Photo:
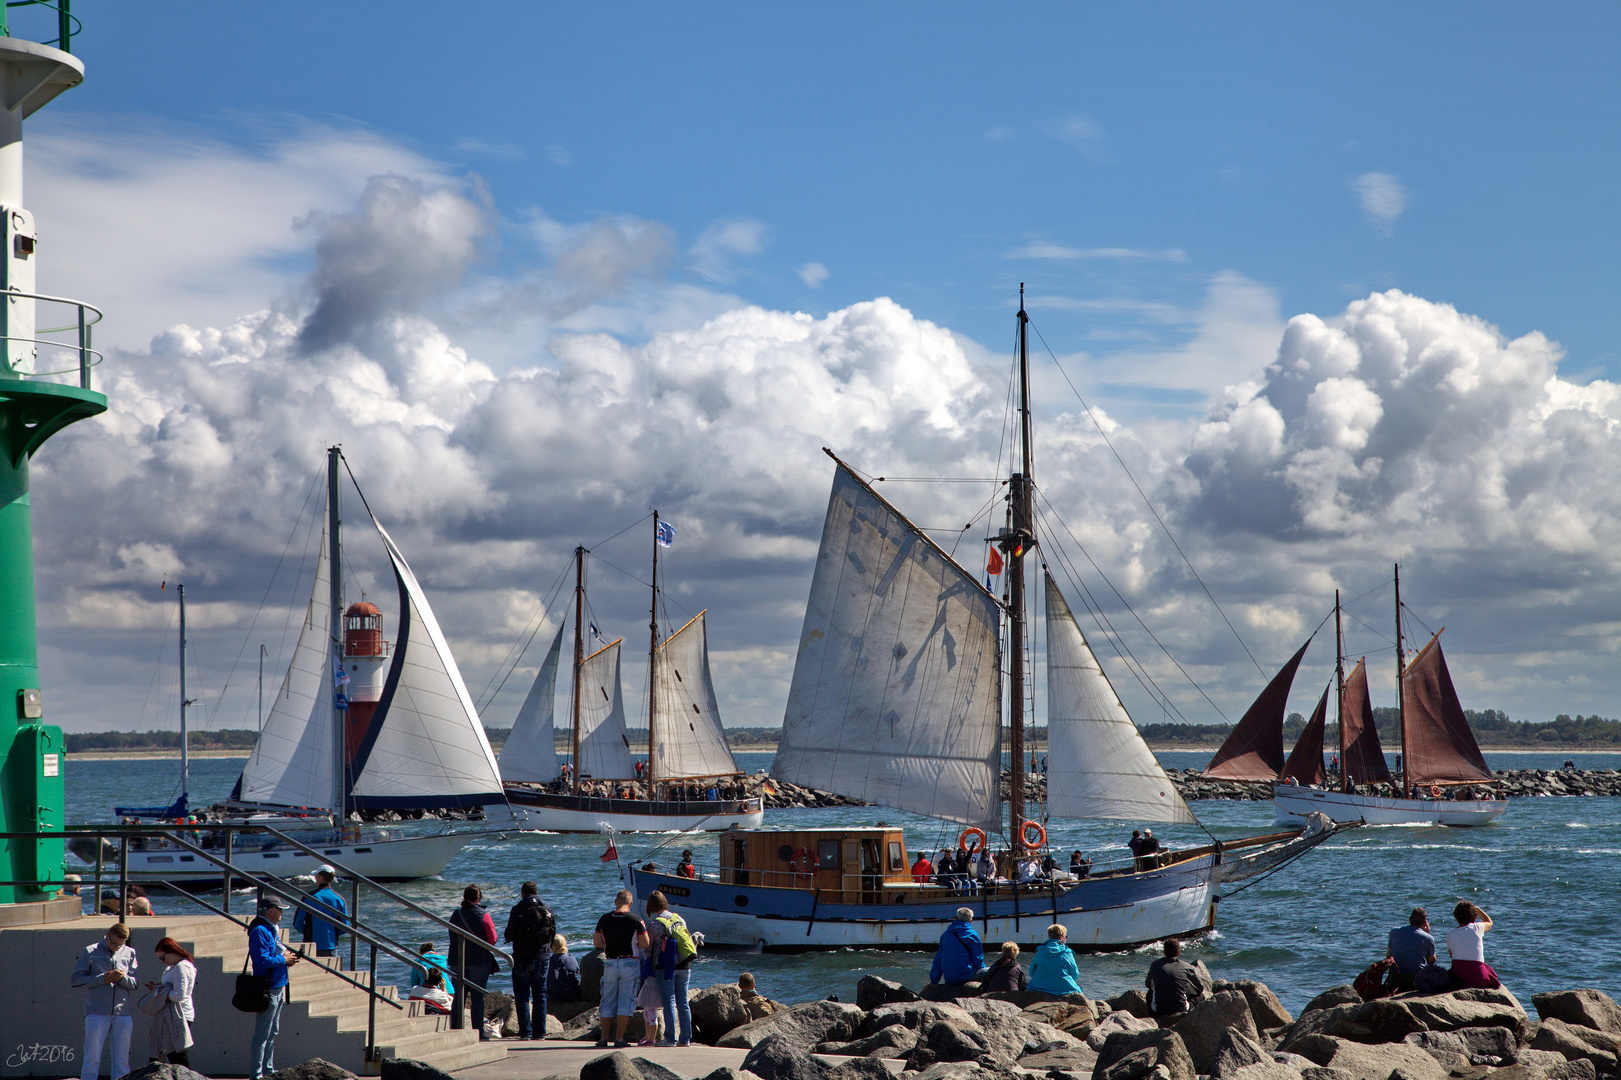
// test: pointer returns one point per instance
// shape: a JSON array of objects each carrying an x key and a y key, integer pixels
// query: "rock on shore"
[{"x": 1240, "y": 1032}]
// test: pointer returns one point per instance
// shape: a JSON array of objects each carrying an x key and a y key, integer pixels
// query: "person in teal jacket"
[{"x": 1054, "y": 970}]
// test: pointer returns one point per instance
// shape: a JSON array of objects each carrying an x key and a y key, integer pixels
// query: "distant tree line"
[{"x": 225, "y": 739}]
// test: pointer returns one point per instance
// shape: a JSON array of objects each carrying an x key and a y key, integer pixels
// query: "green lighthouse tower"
[{"x": 45, "y": 370}]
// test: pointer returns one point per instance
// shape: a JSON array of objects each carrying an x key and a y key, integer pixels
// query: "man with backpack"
[
  {"x": 673, "y": 949},
  {"x": 529, "y": 931}
]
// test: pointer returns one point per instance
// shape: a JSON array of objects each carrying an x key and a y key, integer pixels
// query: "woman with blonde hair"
[{"x": 1007, "y": 973}]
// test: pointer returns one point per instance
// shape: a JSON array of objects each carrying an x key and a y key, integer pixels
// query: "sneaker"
[
  {"x": 621, "y": 1045},
  {"x": 602, "y": 1044},
  {"x": 685, "y": 1043},
  {"x": 665, "y": 1042},
  {"x": 648, "y": 1042}
]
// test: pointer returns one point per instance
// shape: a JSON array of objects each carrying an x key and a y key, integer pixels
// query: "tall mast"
[
  {"x": 1015, "y": 539},
  {"x": 652, "y": 655},
  {"x": 1401, "y": 666},
  {"x": 340, "y": 763},
  {"x": 185, "y": 739},
  {"x": 579, "y": 653},
  {"x": 1339, "y": 681}
]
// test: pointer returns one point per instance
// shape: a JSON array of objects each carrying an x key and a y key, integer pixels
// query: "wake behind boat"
[{"x": 897, "y": 700}]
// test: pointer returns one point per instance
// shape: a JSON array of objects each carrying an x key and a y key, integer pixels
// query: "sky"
[{"x": 1333, "y": 283}]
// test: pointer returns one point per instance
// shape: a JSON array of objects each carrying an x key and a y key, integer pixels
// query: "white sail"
[
  {"x": 604, "y": 744},
  {"x": 1098, "y": 764},
  {"x": 691, "y": 740},
  {"x": 530, "y": 753},
  {"x": 291, "y": 765},
  {"x": 426, "y": 747},
  {"x": 896, "y": 693}
]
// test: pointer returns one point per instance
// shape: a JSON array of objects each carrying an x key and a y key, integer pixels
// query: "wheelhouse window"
[
  {"x": 827, "y": 854},
  {"x": 897, "y": 858}
]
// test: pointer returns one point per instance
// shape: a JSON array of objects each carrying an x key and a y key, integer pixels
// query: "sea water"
[{"x": 1547, "y": 873}]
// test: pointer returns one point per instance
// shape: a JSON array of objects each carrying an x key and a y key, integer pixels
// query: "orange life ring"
[
  {"x": 1435, "y": 791},
  {"x": 1041, "y": 835},
  {"x": 975, "y": 833}
]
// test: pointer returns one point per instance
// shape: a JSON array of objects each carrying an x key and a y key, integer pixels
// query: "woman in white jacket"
[{"x": 171, "y": 1024}]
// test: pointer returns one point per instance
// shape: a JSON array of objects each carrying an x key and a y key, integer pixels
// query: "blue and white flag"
[
  {"x": 342, "y": 676},
  {"x": 666, "y": 535},
  {"x": 595, "y": 632}
]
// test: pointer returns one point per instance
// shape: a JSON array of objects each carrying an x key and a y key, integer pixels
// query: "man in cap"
[
  {"x": 685, "y": 868},
  {"x": 270, "y": 959},
  {"x": 323, "y": 933},
  {"x": 107, "y": 971}
]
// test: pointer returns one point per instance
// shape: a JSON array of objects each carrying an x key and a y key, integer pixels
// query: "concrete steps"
[{"x": 326, "y": 1017}]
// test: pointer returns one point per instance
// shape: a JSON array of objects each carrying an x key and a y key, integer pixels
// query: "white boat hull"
[
  {"x": 394, "y": 858},
  {"x": 579, "y": 814},
  {"x": 1294, "y": 804}
]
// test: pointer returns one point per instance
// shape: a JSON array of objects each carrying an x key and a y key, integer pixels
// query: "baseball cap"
[
  {"x": 270, "y": 902},
  {"x": 326, "y": 868}
]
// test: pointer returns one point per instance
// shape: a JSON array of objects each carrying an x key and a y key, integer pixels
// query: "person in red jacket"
[
  {"x": 922, "y": 870},
  {"x": 480, "y": 963}
]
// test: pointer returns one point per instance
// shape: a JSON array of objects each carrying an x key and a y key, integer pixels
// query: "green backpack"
[{"x": 675, "y": 927}]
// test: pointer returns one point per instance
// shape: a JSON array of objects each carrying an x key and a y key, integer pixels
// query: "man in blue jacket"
[
  {"x": 269, "y": 958},
  {"x": 961, "y": 956},
  {"x": 323, "y": 933}
]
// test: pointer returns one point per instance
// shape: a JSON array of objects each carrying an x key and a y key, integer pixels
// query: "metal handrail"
[
  {"x": 68, "y": 25},
  {"x": 88, "y": 357}
]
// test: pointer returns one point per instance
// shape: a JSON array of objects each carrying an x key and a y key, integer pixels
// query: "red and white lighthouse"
[{"x": 365, "y": 658}]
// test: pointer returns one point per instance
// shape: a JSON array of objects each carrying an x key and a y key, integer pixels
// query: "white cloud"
[
  {"x": 813, "y": 274},
  {"x": 1382, "y": 199},
  {"x": 712, "y": 254},
  {"x": 1040, "y": 249}
]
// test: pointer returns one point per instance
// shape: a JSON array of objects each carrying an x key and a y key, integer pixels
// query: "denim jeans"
[
  {"x": 619, "y": 983},
  {"x": 99, "y": 1032},
  {"x": 673, "y": 990},
  {"x": 262, "y": 1058},
  {"x": 471, "y": 992},
  {"x": 530, "y": 981}
]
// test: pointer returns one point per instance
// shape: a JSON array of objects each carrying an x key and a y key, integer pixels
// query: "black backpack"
[{"x": 534, "y": 926}]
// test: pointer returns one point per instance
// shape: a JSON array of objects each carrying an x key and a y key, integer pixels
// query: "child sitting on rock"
[{"x": 758, "y": 1005}]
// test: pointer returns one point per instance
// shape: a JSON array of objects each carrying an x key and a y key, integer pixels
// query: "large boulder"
[
  {"x": 1265, "y": 1008},
  {"x": 1322, "y": 1072},
  {"x": 1264, "y": 1070},
  {"x": 717, "y": 1010},
  {"x": 1381, "y": 1021},
  {"x": 1130, "y": 1055},
  {"x": 652, "y": 1070},
  {"x": 944, "y": 1041},
  {"x": 614, "y": 1066},
  {"x": 411, "y": 1069},
  {"x": 872, "y": 992},
  {"x": 1465, "y": 1009},
  {"x": 894, "y": 1041},
  {"x": 916, "y": 1015},
  {"x": 564, "y": 1011},
  {"x": 1364, "y": 1061},
  {"x": 777, "y": 1058},
  {"x": 1077, "y": 1020},
  {"x": 1117, "y": 1022},
  {"x": 1026, "y": 998},
  {"x": 1204, "y": 1025},
  {"x": 162, "y": 1070},
  {"x": 1602, "y": 1049},
  {"x": 802, "y": 1025},
  {"x": 1080, "y": 1060},
  {"x": 1469, "y": 1043},
  {"x": 313, "y": 1069},
  {"x": 1334, "y": 995},
  {"x": 950, "y": 991},
  {"x": 1235, "y": 1051},
  {"x": 859, "y": 1069},
  {"x": 1012, "y": 1036},
  {"x": 1583, "y": 1008},
  {"x": 1134, "y": 1002}
]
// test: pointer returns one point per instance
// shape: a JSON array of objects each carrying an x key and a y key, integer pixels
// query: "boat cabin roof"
[{"x": 852, "y": 831}]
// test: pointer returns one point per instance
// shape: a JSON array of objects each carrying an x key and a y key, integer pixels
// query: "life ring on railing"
[
  {"x": 1435, "y": 791},
  {"x": 975, "y": 833},
  {"x": 804, "y": 876},
  {"x": 1041, "y": 835}
]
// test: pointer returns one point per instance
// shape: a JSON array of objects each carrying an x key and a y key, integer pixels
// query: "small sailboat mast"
[
  {"x": 340, "y": 757},
  {"x": 185, "y": 738},
  {"x": 579, "y": 655},
  {"x": 1014, "y": 540},
  {"x": 1401, "y": 664},
  {"x": 653, "y": 660}
]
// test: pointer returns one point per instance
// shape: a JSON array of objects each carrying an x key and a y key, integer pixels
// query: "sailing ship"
[
  {"x": 687, "y": 748},
  {"x": 1442, "y": 765},
  {"x": 422, "y": 747},
  {"x": 897, "y": 700}
]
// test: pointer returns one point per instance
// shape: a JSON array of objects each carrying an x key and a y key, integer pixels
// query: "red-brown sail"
[
  {"x": 1305, "y": 764},
  {"x": 1440, "y": 747},
  {"x": 1362, "y": 759},
  {"x": 1254, "y": 749}
]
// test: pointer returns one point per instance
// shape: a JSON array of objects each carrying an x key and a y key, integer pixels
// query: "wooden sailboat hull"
[
  {"x": 379, "y": 857},
  {"x": 546, "y": 812},
  {"x": 1103, "y": 914},
  {"x": 1294, "y": 804}
]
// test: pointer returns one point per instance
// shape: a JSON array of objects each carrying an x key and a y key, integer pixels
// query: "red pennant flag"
[
  {"x": 994, "y": 566},
  {"x": 612, "y": 854}
]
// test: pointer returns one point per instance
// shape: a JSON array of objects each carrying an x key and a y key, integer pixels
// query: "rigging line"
[
  {"x": 1270, "y": 872},
  {"x": 540, "y": 614},
  {"x": 1167, "y": 529},
  {"x": 1411, "y": 614},
  {"x": 157, "y": 663},
  {"x": 937, "y": 480},
  {"x": 1389, "y": 642},
  {"x": 1116, "y": 641},
  {"x": 1191, "y": 681},
  {"x": 247, "y": 636}
]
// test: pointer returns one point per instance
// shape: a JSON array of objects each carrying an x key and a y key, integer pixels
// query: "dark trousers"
[
  {"x": 529, "y": 982},
  {"x": 471, "y": 987}
]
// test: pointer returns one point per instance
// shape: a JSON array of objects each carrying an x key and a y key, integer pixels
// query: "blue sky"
[
  {"x": 911, "y": 149},
  {"x": 575, "y": 261}
]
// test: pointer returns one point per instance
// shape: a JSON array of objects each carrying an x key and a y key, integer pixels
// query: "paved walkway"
[{"x": 554, "y": 1057}]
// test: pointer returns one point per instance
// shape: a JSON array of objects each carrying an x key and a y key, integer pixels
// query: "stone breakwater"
[
  {"x": 1239, "y": 1032},
  {"x": 1515, "y": 783}
]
